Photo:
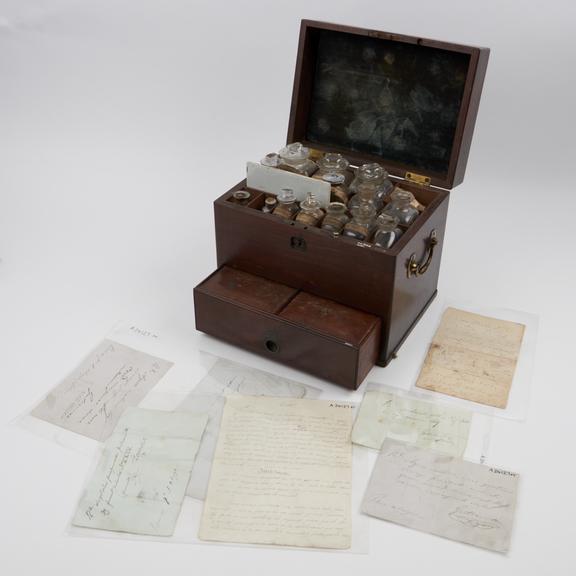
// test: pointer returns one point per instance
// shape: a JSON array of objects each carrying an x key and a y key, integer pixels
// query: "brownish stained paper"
[{"x": 472, "y": 357}]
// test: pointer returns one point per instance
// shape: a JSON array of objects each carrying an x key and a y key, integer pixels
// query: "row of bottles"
[
  {"x": 365, "y": 205},
  {"x": 363, "y": 223}
]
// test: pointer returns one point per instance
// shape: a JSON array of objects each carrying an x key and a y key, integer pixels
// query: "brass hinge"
[{"x": 417, "y": 178}]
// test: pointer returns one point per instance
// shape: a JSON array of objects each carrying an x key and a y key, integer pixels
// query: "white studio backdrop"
[{"x": 122, "y": 121}]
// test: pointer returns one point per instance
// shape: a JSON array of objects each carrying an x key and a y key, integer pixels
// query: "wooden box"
[{"x": 334, "y": 306}]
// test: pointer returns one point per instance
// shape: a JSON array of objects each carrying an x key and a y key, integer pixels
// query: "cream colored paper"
[
  {"x": 227, "y": 378},
  {"x": 141, "y": 478},
  {"x": 472, "y": 357},
  {"x": 272, "y": 180},
  {"x": 428, "y": 425},
  {"x": 282, "y": 474},
  {"x": 91, "y": 399},
  {"x": 442, "y": 495}
]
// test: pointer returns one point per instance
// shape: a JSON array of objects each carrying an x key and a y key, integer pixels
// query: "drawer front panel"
[{"x": 341, "y": 361}]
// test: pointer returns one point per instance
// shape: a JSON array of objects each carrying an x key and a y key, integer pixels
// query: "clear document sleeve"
[
  {"x": 386, "y": 412},
  {"x": 442, "y": 495},
  {"x": 185, "y": 370},
  {"x": 201, "y": 381},
  {"x": 188, "y": 523}
]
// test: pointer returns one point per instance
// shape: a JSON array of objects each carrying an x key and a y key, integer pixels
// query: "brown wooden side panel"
[
  {"x": 304, "y": 258},
  {"x": 412, "y": 295},
  {"x": 462, "y": 150},
  {"x": 279, "y": 340},
  {"x": 369, "y": 353}
]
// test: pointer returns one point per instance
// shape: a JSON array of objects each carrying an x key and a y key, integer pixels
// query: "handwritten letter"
[
  {"x": 227, "y": 378},
  {"x": 383, "y": 415},
  {"x": 281, "y": 474},
  {"x": 91, "y": 400},
  {"x": 442, "y": 495},
  {"x": 141, "y": 478},
  {"x": 473, "y": 357}
]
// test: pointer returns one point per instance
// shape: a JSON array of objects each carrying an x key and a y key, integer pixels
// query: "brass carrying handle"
[{"x": 413, "y": 268}]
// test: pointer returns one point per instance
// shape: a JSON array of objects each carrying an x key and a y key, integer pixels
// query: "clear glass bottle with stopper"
[
  {"x": 271, "y": 159},
  {"x": 401, "y": 206},
  {"x": 366, "y": 192},
  {"x": 270, "y": 202},
  {"x": 387, "y": 231},
  {"x": 332, "y": 168},
  {"x": 287, "y": 206},
  {"x": 336, "y": 217},
  {"x": 241, "y": 197},
  {"x": 296, "y": 158},
  {"x": 361, "y": 226},
  {"x": 310, "y": 211},
  {"x": 375, "y": 176}
]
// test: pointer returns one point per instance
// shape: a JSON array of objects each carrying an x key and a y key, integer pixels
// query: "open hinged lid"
[{"x": 406, "y": 102}]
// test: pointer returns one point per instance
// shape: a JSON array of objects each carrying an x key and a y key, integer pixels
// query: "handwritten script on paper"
[
  {"x": 473, "y": 357},
  {"x": 384, "y": 415},
  {"x": 91, "y": 399},
  {"x": 282, "y": 474},
  {"x": 141, "y": 478},
  {"x": 442, "y": 495},
  {"x": 224, "y": 379},
  {"x": 227, "y": 377}
]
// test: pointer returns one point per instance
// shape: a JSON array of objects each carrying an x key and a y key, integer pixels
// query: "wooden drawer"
[
  {"x": 304, "y": 331},
  {"x": 353, "y": 273}
]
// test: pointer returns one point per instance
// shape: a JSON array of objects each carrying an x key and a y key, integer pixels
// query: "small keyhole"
[
  {"x": 271, "y": 346},
  {"x": 298, "y": 243}
]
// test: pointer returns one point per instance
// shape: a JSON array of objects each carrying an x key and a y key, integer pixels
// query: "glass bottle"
[
  {"x": 361, "y": 226},
  {"x": 375, "y": 176},
  {"x": 287, "y": 207},
  {"x": 296, "y": 158},
  {"x": 336, "y": 217},
  {"x": 387, "y": 231},
  {"x": 269, "y": 204},
  {"x": 401, "y": 193},
  {"x": 241, "y": 197},
  {"x": 310, "y": 211},
  {"x": 365, "y": 192},
  {"x": 332, "y": 168},
  {"x": 400, "y": 207},
  {"x": 272, "y": 159}
]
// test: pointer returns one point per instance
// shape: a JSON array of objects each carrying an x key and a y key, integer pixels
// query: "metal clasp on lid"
[{"x": 417, "y": 178}]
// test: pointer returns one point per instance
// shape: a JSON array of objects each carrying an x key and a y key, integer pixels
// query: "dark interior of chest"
[{"x": 386, "y": 98}]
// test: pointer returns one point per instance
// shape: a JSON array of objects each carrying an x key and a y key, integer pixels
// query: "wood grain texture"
[
  {"x": 341, "y": 269},
  {"x": 351, "y": 273},
  {"x": 310, "y": 344},
  {"x": 304, "y": 88}
]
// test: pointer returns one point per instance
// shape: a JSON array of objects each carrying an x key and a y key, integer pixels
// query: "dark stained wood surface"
[
  {"x": 340, "y": 269},
  {"x": 304, "y": 77},
  {"x": 329, "y": 317},
  {"x": 275, "y": 318},
  {"x": 342, "y": 353},
  {"x": 256, "y": 292}
]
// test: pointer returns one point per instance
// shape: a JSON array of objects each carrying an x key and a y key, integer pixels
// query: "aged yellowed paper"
[
  {"x": 443, "y": 495},
  {"x": 227, "y": 378},
  {"x": 426, "y": 424},
  {"x": 472, "y": 357},
  {"x": 282, "y": 474}
]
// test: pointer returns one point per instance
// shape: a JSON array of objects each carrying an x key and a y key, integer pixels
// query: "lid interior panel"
[{"x": 378, "y": 96}]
